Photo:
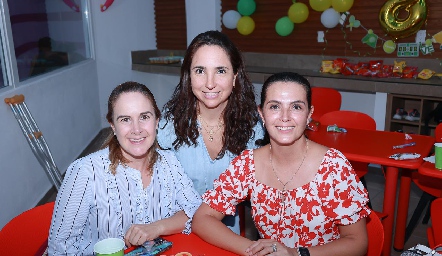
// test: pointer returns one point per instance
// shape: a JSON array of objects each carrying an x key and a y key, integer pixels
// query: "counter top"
[{"x": 310, "y": 69}]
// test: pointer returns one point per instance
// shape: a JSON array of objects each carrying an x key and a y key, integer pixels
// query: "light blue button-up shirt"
[{"x": 198, "y": 165}]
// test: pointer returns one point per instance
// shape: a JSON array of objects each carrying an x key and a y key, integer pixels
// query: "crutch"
[{"x": 34, "y": 137}]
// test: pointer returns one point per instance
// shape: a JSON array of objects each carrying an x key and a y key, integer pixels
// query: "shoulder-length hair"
[
  {"x": 115, "y": 152},
  {"x": 240, "y": 114}
]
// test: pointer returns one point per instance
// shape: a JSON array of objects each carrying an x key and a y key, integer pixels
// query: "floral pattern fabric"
[{"x": 306, "y": 216}]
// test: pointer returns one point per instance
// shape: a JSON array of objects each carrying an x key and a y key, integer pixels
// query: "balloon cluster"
[
  {"x": 241, "y": 19},
  {"x": 297, "y": 13}
]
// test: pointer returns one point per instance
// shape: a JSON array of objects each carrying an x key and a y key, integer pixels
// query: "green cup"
[
  {"x": 438, "y": 155},
  {"x": 109, "y": 247}
]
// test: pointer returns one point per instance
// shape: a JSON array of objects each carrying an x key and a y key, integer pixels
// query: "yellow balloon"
[
  {"x": 298, "y": 12},
  {"x": 320, "y": 5},
  {"x": 342, "y": 5},
  {"x": 245, "y": 25},
  {"x": 399, "y": 28}
]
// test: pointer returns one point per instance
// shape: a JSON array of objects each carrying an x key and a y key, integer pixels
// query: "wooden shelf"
[{"x": 422, "y": 104}]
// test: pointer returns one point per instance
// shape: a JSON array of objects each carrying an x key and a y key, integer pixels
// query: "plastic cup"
[
  {"x": 109, "y": 247},
  {"x": 438, "y": 155}
]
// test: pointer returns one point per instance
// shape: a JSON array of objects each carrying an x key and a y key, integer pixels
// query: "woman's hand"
[
  {"x": 137, "y": 234},
  {"x": 269, "y": 247}
]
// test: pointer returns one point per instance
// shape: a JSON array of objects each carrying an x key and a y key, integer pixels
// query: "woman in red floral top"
[{"x": 306, "y": 198}]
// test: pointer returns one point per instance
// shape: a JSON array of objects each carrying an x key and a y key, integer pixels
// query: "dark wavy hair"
[
  {"x": 240, "y": 114},
  {"x": 115, "y": 152},
  {"x": 283, "y": 77}
]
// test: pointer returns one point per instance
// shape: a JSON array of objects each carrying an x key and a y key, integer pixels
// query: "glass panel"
[{"x": 48, "y": 34}]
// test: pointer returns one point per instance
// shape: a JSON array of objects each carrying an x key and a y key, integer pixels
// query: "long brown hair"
[
  {"x": 115, "y": 152},
  {"x": 240, "y": 114}
]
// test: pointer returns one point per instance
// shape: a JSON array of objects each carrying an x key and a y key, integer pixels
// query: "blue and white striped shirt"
[{"x": 93, "y": 204}]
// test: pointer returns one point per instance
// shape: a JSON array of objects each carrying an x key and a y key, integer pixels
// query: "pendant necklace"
[
  {"x": 299, "y": 167},
  {"x": 210, "y": 129}
]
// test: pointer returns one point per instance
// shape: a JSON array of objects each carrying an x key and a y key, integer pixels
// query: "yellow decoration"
[
  {"x": 298, "y": 12},
  {"x": 437, "y": 38},
  {"x": 320, "y": 5},
  {"x": 245, "y": 25},
  {"x": 342, "y": 5},
  {"x": 400, "y": 28}
]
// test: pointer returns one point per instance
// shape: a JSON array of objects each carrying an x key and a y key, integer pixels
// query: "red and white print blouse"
[{"x": 305, "y": 216}]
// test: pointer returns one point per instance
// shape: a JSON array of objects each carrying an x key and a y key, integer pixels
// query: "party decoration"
[
  {"x": 342, "y": 5},
  {"x": 408, "y": 50},
  {"x": 284, "y": 26},
  {"x": 427, "y": 47},
  {"x": 437, "y": 38},
  {"x": 402, "y": 27},
  {"x": 389, "y": 46},
  {"x": 370, "y": 39},
  {"x": 246, "y": 7},
  {"x": 298, "y": 12},
  {"x": 353, "y": 23},
  {"x": 330, "y": 18},
  {"x": 230, "y": 19},
  {"x": 245, "y": 25},
  {"x": 320, "y": 5}
]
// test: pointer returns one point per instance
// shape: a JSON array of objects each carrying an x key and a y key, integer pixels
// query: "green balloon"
[
  {"x": 246, "y": 7},
  {"x": 284, "y": 26}
]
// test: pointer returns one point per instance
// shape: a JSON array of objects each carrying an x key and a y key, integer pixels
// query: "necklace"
[
  {"x": 210, "y": 129},
  {"x": 299, "y": 167}
]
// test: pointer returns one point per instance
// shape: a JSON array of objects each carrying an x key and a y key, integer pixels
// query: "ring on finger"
[{"x": 274, "y": 249}]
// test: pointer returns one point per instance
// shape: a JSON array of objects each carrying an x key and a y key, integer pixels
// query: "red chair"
[
  {"x": 434, "y": 232},
  {"x": 375, "y": 231},
  {"x": 325, "y": 100},
  {"x": 431, "y": 189},
  {"x": 27, "y": 233}
]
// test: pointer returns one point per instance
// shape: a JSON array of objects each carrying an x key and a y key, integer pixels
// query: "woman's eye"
[
  {"x": 274, "y": 107},
  {"x": 222, "y": 71},
  {"x": 125, "y": 119},
  {"x": 145, "y": 117},
  {"x": 199, "y": 71}
]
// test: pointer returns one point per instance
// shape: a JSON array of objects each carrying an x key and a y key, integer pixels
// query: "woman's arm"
[
  {"x": 207, "y": 225},
  {"x": 137, "y": 234}
]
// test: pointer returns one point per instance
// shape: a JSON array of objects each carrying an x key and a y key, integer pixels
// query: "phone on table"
[{"x": 151, "y": 248}]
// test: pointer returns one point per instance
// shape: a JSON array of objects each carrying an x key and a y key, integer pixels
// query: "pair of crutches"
[{"x": 35, "y": 138}]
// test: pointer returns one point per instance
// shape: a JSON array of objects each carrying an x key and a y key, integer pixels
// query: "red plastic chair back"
[
  {"x": 325, "y": 100},
  {"x": 375, "y": 231},
  {"x": 348, "y": 119},
  {"x": 436, "y": 223},
  {"x": 28, "y": 232},
  {"x": 438, "y": 133}
]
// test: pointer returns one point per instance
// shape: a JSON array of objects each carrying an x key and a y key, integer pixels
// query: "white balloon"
[
  {"x": 330, "y": 18},
  {"x": 230, "y": 19}
]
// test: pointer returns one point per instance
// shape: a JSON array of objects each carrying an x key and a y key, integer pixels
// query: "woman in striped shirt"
[{"x": 130, "y": 189}]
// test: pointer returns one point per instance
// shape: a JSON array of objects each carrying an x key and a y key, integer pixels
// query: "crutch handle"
[
  {"x": 16, "y": 99},
  {"x": 36, "y": 135}
]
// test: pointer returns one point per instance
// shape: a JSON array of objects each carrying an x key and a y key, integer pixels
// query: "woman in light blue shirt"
[
  {"x": 130, "y": 189},
  {"x": 212, "y": 115}
]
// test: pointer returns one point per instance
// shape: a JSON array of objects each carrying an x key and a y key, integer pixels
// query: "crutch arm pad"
[{"x": 16, "y": 99}]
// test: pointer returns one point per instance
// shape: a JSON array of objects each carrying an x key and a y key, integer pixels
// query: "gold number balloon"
[{"x": 399, "y": 28}]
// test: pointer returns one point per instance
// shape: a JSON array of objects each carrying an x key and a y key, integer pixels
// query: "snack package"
[
  {"x": 151, "y": 248},
  {"x": 335, "y": 128},
  {"x": 399, "y": 66},
  {"x": 326, "y": 66},
  {"x": 410, "y": 72},
  {"x": 386, "y": 71},
  {"x": 426, "y": 74},
  {"x": 348, "y": 69},
  {"x": 338, "y": 65},
  {"x": 405, "y": 156}
]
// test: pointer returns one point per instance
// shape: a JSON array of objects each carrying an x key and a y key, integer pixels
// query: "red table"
[
  {"x": 375, "y": 147},
  {"x": 194, "y": 245}
]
